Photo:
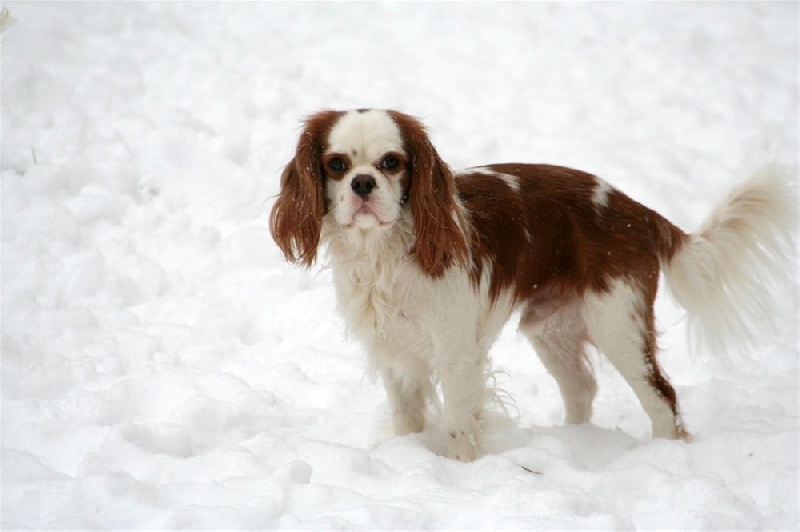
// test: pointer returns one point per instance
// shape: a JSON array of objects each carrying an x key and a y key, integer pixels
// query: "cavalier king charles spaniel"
[{"x": 429, "y": 264}]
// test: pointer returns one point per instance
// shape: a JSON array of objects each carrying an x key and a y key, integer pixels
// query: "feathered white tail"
[{"x": 727, "y": 275}]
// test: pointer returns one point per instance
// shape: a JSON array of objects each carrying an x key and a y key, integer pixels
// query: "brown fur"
[
  {"x": 574, "y": 244},
  {"x": 438, "y": 225},
  {"x": 296, "y": 218}
]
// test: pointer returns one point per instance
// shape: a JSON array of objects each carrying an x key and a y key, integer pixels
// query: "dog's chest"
[{"x": 377, "y": 301}]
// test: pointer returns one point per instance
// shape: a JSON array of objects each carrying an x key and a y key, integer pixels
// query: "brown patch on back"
[{"x": 550, "y": 239}]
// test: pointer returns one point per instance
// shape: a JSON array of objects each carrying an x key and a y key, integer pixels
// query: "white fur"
[
  {"x": 365, "y": 137},
  {"x": 726, "y": 277},
  {"x": 511, "y": 180},
  {"x": 559, "y": 339},
  {"x": 373, "y": 132},
  {"x": 600, "y": 193},
  {"x": 418, "y": 331},
  {"x": 615, "y": 325}
]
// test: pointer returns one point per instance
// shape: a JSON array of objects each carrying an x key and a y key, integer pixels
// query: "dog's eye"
[
  {"x": 390, "y": 162},
  {"x": 336, "y": 164}
]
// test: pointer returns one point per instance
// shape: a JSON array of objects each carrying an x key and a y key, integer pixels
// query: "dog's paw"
[{"x": 462, "y": 446}]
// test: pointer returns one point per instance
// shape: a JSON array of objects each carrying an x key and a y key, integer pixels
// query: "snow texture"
[{"x": 163, "y": 368}]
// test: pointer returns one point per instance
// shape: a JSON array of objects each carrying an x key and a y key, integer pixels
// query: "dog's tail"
[{"x": 727, "y": 274}]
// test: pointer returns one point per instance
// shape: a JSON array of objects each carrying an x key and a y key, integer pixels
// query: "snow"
[{"x": 162, "y": 368}]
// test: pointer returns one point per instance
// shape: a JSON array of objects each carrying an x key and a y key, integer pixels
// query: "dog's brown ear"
[
  {"x": 439, "y": 224},
  {"x": 296, "y": 218}
]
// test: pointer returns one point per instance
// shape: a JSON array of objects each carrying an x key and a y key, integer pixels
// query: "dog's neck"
[
  {"x": 375, "y": 248},
  {"x": 366, "y": 266}
]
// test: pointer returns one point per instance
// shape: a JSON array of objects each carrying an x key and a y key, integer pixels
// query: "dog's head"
[{"x": 364, "y": 169}]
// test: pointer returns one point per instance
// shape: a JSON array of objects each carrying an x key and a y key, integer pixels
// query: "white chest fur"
[
  {"x": 418, "y": 330},
  {"x": 381, "y": 296}
]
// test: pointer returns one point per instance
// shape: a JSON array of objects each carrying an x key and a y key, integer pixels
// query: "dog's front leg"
[
  {"x": 463, "y": 385},
  {"x": 406, "y": 393}
]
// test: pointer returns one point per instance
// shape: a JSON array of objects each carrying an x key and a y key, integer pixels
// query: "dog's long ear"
[
  {"x": 296, "y": 218},
  {"x": 439, "y": 223}
]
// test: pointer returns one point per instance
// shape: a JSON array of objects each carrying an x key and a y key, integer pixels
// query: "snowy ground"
[{"x": 163, "y": 369}]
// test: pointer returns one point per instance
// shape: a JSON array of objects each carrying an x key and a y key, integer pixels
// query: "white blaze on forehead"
[{"x": 368, "y": 134}]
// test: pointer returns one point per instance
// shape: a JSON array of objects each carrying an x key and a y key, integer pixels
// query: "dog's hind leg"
[
  {"x": 620, "y": 323},
  {"x": 559, "y": 338}
]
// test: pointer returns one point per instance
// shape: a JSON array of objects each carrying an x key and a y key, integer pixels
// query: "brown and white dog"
[{"x": 429, "y": 264}]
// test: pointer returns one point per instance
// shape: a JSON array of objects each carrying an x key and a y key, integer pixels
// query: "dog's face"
[
  {"x": 363, "y": 170},
  {"x": 366, "y": 170}
]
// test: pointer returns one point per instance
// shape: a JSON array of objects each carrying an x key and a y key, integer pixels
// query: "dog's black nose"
[{"x": 362, "y": 185}]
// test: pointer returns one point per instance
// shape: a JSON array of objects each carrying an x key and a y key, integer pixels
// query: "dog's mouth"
[
  {"x": 366, "y": 217},
  {"x": 365, "y": 209},
  {"x": 367, "y": 220}
]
